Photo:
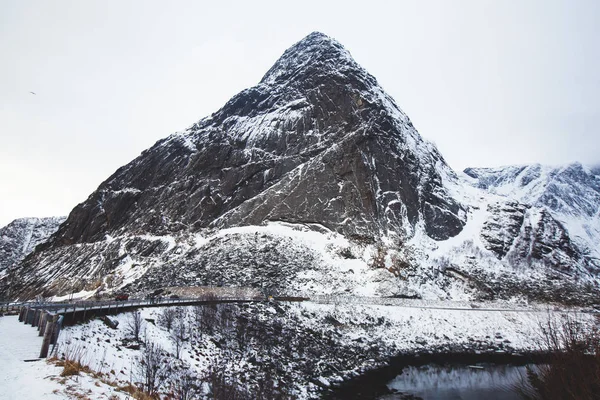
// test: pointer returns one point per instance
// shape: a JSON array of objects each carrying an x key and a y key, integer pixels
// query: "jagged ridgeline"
[{"x": 311, "y": 181}]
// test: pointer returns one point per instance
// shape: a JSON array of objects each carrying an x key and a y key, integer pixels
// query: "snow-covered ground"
[
  {"x": 40, "y": 378},
  {"x": 414, "y": 329},
  {"x": 338, "y": 341},
  {"x": 20, "y": 379}
]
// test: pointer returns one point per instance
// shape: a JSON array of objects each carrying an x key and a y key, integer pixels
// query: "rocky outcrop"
[
  {"x": 563, "y": 227},
  {"x": 547, "y": 241},
  {"x": 529, "y": 235},
  {"x": 500, "y": 230}
]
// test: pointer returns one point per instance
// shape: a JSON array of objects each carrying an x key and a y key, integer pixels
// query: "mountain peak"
[
  {"x": 317, "y": 36},
  {"x": 315, "y": 51}
]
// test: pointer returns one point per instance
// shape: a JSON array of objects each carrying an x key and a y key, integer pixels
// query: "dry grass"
[
  {"x": 74, "y": 363},
  {"x": 71, "y": 368},
  {"x": 136, "y": 393}
]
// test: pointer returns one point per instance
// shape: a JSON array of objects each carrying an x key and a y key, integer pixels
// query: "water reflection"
[{"x": 481, "y": 381}]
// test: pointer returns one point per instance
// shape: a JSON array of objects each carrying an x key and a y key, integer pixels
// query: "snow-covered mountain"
[
  {"x": 20, "y": 237},
  {"x": 314, "y": 181},
  {"x": 531, "y": 230},
  {"x": 317, "y": 140}
]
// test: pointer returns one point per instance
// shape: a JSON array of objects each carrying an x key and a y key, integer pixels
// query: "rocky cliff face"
[
  {"x": 312, "y": 181},
  {"x": 501, "y": 229},
  {"x": 539, "y": 227}
]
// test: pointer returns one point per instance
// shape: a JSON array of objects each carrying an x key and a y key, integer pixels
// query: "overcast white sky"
[{"x": 490, "y": 82}]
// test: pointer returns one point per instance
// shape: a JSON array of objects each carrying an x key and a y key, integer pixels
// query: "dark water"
[{"x": 458, "y": 382}]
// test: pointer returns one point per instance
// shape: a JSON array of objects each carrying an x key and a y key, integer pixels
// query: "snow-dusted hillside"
[
  {"x": 570, "y": 194},
  {"x": 20, "y": 237},
  {"x": 531, "y": 231},
  {"x": 305, "y": 348},
  {"x": 314, "y": 181}
]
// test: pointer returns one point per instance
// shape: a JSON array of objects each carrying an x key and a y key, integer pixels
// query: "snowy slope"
[{"x": 531, "y": 231}]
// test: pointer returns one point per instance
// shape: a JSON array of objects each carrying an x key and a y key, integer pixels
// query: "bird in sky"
[{"x": 32, "y": 92}]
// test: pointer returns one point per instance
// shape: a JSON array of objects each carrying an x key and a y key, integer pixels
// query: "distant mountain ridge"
[
  {"x": 571, "y": 189},
  {"x": 21, "y": 236},
  {"x": 314, "y": 181},
  {"x": 570, "y": 193}
]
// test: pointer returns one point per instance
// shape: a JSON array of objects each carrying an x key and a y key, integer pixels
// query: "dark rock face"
[
  {"x": 317, "y": 140},
  {"x": 549, "y": 242},
  {"x": 504, "y": 225}
]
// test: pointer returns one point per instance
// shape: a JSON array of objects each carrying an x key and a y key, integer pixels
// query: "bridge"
[{"x": 50, "y": 317}]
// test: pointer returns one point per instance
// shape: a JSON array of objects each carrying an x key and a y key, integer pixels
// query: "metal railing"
[{"x": 86, "y": 305}]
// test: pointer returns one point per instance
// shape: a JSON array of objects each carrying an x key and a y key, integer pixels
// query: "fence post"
[
  {"x": 36, "y": 316},
  {"x": 57, "y": 328},
  {"x": 48, "y": 333},
  {"x": 40, "y": 319},
  {"x": 29, "y": 318},
  {"x": 44, "y": 322},
  {"x": 22, "y": 313}
]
